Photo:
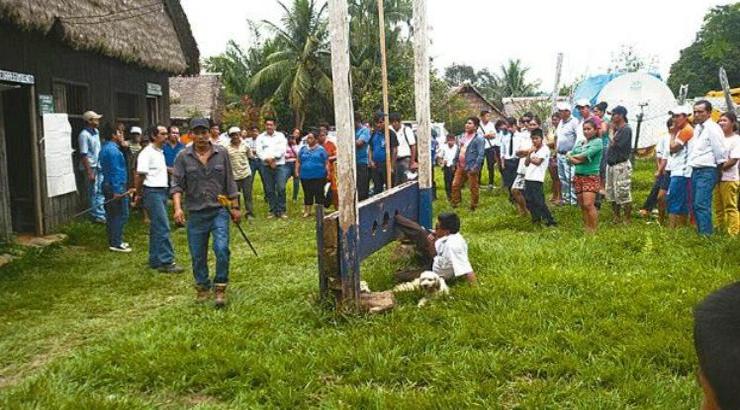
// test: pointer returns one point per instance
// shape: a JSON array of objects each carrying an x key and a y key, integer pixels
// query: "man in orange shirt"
[
  {"x": 331, "y": 149},
  {"x": 678, "y": 188}
]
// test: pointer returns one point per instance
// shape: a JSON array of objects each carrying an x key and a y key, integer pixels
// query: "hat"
[
  {"x": 199, "y": 123},
  {"x": 583, "y": 102},
  {"x": 91, "y": 115},
  {"x": 135, "y": 130},
  {"x": 234, "y": 130},
  {"x": 563, "y": 106},
  {"x": 619, "y": 110},
  {"x": 680, "y": 109}
]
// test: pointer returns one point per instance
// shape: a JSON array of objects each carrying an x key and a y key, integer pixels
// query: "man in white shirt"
[
  {"x": 536, "y": 163},
  {"x": 152, "y": 187},
  {"x": 406, "y": 157},
  {"x": 271, "y": 147},
  {"x": 705, "y": 152},
  {"x": 488, "y": 129},
  {"x": 446, "y": 156},
  {"x": 522, "y": 149},
  {"x": 567, "y": 133},
  {"x": 509, "y": 161}
]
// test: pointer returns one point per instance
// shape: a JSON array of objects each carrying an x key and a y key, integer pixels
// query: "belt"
[{"x": 155, "y": 187}]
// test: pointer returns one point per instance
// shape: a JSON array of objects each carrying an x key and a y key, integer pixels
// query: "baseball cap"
[
  {"x": 619, "y": 110},
  {"x": 234, "y": 130},
  {"x": 563, "y": 106},
  {"x": 583, "y": 102},
  {"x": 680, "y": 109},
  {"x": 135, "y": 130},
  {"x": 91, "y": 115},
  {"x": 199, "y": 123}
]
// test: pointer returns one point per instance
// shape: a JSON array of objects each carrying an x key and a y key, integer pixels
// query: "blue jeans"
[
  {"x": 160, "y": 245},
  {"x": 116, "y": 216},
  {"x": 566, "y": 172},
  {"x": 200, "y": 226},
  {"x": 274, "y": 180},
  {"x": 95, "y": 196},
  {"x": 703, "y": 181}
]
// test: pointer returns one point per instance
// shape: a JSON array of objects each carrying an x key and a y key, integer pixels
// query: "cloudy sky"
[{"x": 486, "y": 33}]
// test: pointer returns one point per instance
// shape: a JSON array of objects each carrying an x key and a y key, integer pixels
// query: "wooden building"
[
  {"x": 476, "y": 101},
  {"x": 111, "y": 56},
  {"x": 201, "y": 96}
]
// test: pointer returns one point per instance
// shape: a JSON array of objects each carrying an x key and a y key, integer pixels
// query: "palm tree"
[
  {"x": 512, "y": 81},
  {"x": 299, "y": 70}
]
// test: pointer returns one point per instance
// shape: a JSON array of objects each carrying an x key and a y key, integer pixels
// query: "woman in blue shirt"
[{"x": 312, "y": 167}]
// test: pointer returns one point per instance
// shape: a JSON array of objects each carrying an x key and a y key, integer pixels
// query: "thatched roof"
[
  {"x": 150, "y": 33},
  {"x": 468, "y": 89},
  {"x": 201, "y": 94}
]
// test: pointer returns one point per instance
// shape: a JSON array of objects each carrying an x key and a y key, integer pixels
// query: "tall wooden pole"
[
  {"x": 346, "y": 186},
  {"x": 423, "y": 114},
  {"x": 556, "y": 87},
  {"x": 384, "y": 69}
]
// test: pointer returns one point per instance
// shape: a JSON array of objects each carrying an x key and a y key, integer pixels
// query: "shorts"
[
  {"x": 678, "y": 195},
  {"x": 586, "y": 183},
  {"x": 518, "y": 182},
  {"x": 664, "y": 181},
  {"x": 619, "y": 183}
]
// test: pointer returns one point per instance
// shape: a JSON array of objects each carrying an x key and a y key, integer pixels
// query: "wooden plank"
[
  {"x": 323, "y": 279},
  {"x": 345, "y": 167},
  {"x": 384, "y": 71},
  {"x": 423, "y": 111},
  {"x": 38, "y": 197},
  {"x": 377, "y": 216},
  {"x": 6, "y": 225}
]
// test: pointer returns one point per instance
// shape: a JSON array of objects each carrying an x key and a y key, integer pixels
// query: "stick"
[
  {"x": 226, "y": 204},
  {"x": 384, "y": 70},
  {"x": 103, "y": 204}
]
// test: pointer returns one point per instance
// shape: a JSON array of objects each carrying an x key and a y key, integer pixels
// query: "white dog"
[{"x": 429, "y": 282}]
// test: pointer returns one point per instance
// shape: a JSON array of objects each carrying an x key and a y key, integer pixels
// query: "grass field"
[{"x": 559, "y": 320}]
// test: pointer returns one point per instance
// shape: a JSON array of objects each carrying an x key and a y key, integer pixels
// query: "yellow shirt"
[{"x": 239, "y": 158}]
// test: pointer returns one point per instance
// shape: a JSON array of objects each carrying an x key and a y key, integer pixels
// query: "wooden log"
[
  {"x": 377, "y": 302},
  {"x": 384, "y": 71},
  {"x": 38, "y": 197},
  {"x": 423, "y": 112},
  {"x": 346, "y": 185}
]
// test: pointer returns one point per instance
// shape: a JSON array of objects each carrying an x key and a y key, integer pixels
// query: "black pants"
[
  {"x": 378, "y": 175},
  {"x": 363, "y": 182},
  {"x": 509, "y": 174},
  {"x": 313, "y": 191},
  {"x": 536, "y": 202},
  {"x": 449, "y": 176},
  {"x": 490, "y": 160}
]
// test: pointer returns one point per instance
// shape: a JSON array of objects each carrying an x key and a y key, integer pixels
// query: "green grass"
[{"x": 559, "y": 320}]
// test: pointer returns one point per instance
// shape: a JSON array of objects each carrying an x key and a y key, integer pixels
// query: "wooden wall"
[{"x": 48, "y": 61}]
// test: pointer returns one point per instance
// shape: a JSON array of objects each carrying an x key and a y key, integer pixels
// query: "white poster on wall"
[{"x": 60, "y": 173}]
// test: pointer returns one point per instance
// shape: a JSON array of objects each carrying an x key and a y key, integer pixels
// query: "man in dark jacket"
[{"x": 469, "y": 160}]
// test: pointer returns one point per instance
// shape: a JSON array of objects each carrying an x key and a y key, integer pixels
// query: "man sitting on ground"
[{"x": 444, "y": 249}]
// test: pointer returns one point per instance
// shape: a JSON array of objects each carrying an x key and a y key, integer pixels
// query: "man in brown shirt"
[{"x": 203, "y": 172}]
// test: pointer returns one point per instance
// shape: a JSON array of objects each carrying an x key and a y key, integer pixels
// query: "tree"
[
  {"x": 458, "y": 74},
  {"x": 628, "y": 60},
  {"x": 717, "y": 44},
  {"x": 299, "y": 70}
]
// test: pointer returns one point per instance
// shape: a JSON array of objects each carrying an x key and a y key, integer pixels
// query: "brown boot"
[
  {"x": 203, "y": 294},
  {"x": 220, "y": 295}
]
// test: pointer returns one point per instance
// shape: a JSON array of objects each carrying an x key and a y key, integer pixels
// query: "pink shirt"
[{"x": 464, "y": 141}]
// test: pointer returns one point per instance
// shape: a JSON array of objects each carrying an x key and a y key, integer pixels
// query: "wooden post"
[
  {"x": 423, "y": 114},
  {"x": 384, "y": 70},
  {"x": 36, "y": 164},
  {"x": 556, "y": 87},
  {"x": 345, "y": 167}
]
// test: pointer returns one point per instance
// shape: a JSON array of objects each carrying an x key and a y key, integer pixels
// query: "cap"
[
  {"x": 619, "y": 110},
  {"x": 135, "y": 130},
  {"x": 91, "y": 115},
  {"x": 199, "y": 123},
  {"x": 234, "y": 130},
  {"x": 583, "y": 102},
  {"x": 680, "y": 109},
  {"x": 563, "y": 106}
]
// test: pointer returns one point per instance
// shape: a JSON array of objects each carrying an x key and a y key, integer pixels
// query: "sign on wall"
[
  {"x": 60, "y": 173},
  {"x": 46, "y": 104},
  {"x": 13, "y": 77},
  {"x": 153, "y": 89}
]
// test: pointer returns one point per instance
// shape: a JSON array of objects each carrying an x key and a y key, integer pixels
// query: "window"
[
  {"x": 127, "y": 107},
  {"x": 70, "y": 98},
  {"x": 152, "y": 110}
]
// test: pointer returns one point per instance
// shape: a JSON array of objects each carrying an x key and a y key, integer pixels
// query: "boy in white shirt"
[
  {"x": 444, "y": 248},
  {"x": 537, "y": 162},
  {"x": 446, "y": 156}
]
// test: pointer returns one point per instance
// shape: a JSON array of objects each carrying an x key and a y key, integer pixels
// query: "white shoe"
[
  {"x": 125, "y": 245},
  {"x": 119, "y": 249}
]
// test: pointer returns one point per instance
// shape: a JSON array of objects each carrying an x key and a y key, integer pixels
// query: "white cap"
[
  {"x": 234, "y": 130},
  {"x": 91, "y": 115},
  {"x": 563, "y": 106},
  {"x": 135, "y": 130},
  {"x": 680, "y": 109},
  {"x": 583, "y": 102}
]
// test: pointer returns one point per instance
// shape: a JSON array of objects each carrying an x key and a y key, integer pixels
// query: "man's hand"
[
  {"x": 414, "y": 166},
  {"x": 371, "y": 164},
  {"x": 179, "y": 216},
  {"x": 236, "y": 215}
]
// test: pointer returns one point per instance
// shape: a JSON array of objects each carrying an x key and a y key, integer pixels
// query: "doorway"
[{"x": 15, "y": 126}]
